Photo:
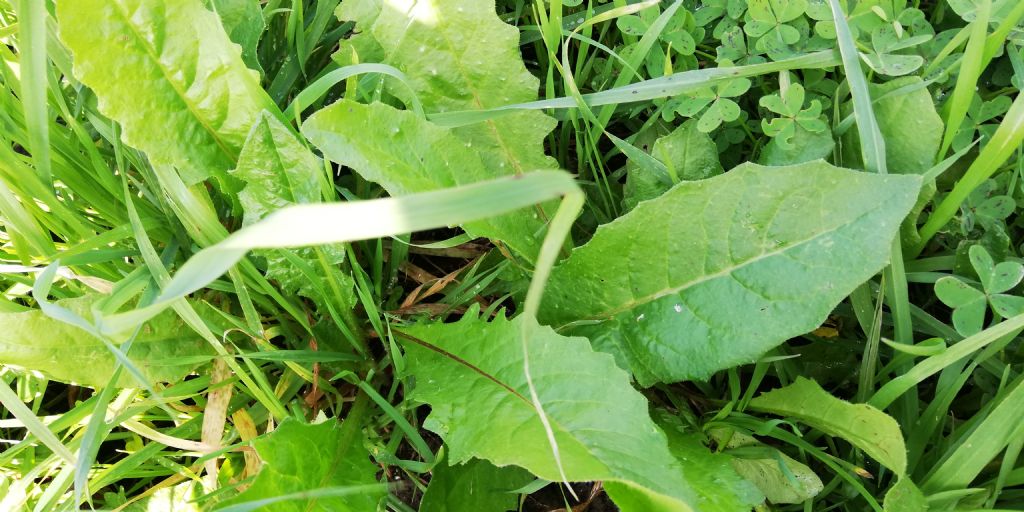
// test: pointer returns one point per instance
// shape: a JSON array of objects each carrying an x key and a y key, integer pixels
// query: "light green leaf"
[
  {"x": 904, "y": 496},
  {"x": 66, "y": 353},
  {"x": 298, "y": 457},
  {"x": 909, "y": 123},
  {"x": 806, "y": 146},
  {"x": 862, "y": 425},
  {"x": 459, "y": 55},
  {"x": 687, "y": 153},
  {"x": 716, "y": 272},
  {"x": 243, "y": 21},
  {"x": 600, "y": 422},
  {"x": 712, "y": 475},
  {"x": 169, "y": 75},
  {"x": 278, "y": 171},
  {"x": 781, "y": 478},
  {"x": 407, "y": 154},
  {"x": 474, "y": 486}
]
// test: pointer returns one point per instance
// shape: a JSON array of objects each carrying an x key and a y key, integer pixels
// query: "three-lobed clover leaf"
[
  {"x": 789, "y": 105},
  {"x": 770, "y": 22},
  {"x": 969, "y": 303},
  {"x": 714, "y": 102}
]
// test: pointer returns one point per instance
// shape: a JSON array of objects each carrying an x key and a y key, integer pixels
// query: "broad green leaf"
[
  {"x": 474, "y": 486},
  {"x": 473, "y": 380},
  {"x": 243, "y": 21},
  {"x": 909, "y": 123},
  {"x": 714, "y": 273},
  {"x": 806, "y": 146},
  {"x": 781, "y": 478},
  {"x": 904, "y": 496},
  {"x": 687, "y": 153},
  {"x": 169, "y": 75},
  {"x": 712, "y": 475},
  {"x": 458, "y": 55},
  {"x": 407, "y": 154},
  {"x": 66, "y": 353},
  {"x": 278, "y": 171},
  {"x": 862, "y": 425},
  {"x": 298, "y": 457}
]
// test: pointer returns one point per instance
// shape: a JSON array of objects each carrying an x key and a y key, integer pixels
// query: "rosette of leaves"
[
  {"x": 969, "y": 303},
  {"x": 976, "y": 124},
  {"x": 711, "y": 106},
  {"x": 789, "y": 105}
]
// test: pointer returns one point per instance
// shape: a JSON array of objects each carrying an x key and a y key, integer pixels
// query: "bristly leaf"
[
  {"x": 299, "y": 457},
  {"x": 716, "y": 272},
  {"x": 601, "y": 423},
  {"x": 407, "y": 154},
  {"x": 862, "y": 425},
  {"x": 158, "y": 70}
]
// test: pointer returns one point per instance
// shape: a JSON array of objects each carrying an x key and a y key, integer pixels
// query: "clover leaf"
[
  {"x": 770, "y": 23},
  {"x": 969, "y": 303},
  {"x": 789, "y": 105},
  {"x": 713, "y": 104}
]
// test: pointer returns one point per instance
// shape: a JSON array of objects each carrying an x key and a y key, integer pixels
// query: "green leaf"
[
  {"x": 600, "y": 422},
  {"x": 407, "y": 154},
  {"x": 716, "y": 272},
  {"x": 169, "y": 75},
  {"x": 862, "y": 425},
  {"x": 805, "y": 147},
  {"x": 66, "y": 353},
  {"x": 278, "y": 171},
  {"x": 459, "y": 55},
  {"x": 712, "y": 475},
  {"x": 474, "y": 486},
  {"x": 904, "y": 496},
  {"x": 779, "y": 477},
  {"x": 687, "y": 153},
  {"x": 911, "y": 127},
  {"x": 243, "y": 21},
  {"x": 299, "y": 457}
]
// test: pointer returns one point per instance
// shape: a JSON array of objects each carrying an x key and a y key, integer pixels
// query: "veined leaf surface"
[
  {"x": 481, "y": 407},
  {"x": 458, "y": 55},
  {"x": 408, "y": 154},
  {"x": 862, "y": 425},
  {"x": 298, "y": 457},
  {"x": 279, "y": 171},
  {"x": 714, "y": 273},
  {"x": 162, "y": 70},
  {"x": 474, "y": 486},
  {"x": 64, "y": 352}
]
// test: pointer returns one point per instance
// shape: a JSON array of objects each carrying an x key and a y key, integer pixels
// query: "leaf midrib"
[
  {"x": 664, "y": 292},
  {"x": 141, "y": 42}
]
